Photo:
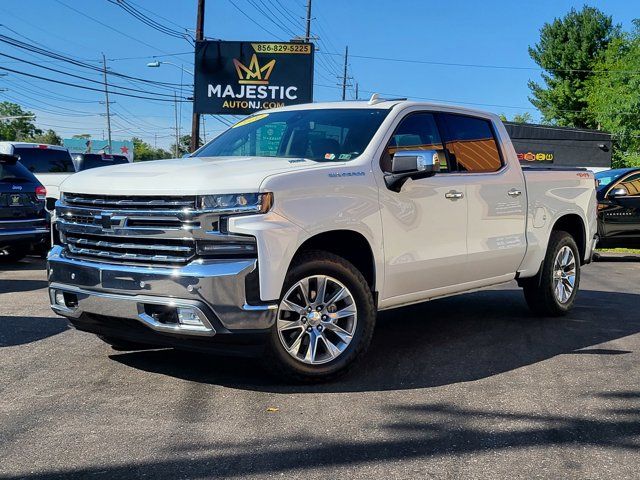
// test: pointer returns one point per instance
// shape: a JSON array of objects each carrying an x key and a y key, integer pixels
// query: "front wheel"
[
  {"x": 552, "y": 292},
  {"x": 325, "y": 319}
]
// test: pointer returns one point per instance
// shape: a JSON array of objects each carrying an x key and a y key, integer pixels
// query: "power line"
[
  {"x": 60, "y": 56},
  {"x": 477, "y": 65},
  {"x": 110, "y": 27},
  {"x": 82, "y": 78},
  {"x": 253, "y": 21},
  {"x": 85, "y": 87},
  {"x": 131, "y": 10}
]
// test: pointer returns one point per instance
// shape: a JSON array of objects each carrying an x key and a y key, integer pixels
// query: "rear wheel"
[
  {"x": 12, "y": 253},
  {"x": 552, "y": 292},
  {"x": 325, "y": 319}
]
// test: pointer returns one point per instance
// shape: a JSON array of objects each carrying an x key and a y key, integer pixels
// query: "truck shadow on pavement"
[
  {"x": 12, "y": 285},
  {"x": 412, "y": 433},
  {"x": 18, "y": 330},
  {"x": 442, "y": 342}
]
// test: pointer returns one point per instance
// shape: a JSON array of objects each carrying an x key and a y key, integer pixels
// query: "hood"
[{"x": 183, "y": 176}]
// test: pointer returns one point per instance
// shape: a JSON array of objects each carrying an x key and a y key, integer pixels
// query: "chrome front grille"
[
  {"x": 130, "y": 202},
  {"x": 131, "y": 229}
]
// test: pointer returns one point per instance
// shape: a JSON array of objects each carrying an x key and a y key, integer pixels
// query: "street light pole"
[{"x": 195, "y": 120}]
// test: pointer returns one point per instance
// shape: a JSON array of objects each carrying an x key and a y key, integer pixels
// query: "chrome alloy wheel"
[
  {"x": 564, "y": 274},
  {"x": 317, "y": 319}
]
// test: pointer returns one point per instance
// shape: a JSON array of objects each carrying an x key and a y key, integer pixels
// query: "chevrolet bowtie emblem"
[
  {"x": 254, "y": 74},
  {"x": 106, "y": 221}
]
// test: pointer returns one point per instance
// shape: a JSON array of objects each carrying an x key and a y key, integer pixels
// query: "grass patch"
[{"x": 619, "y": 250}]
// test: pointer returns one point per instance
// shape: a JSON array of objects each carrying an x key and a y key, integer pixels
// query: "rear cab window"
[
  {"x": 45, "y": 160},
  {"x": 95, "y": 160}
]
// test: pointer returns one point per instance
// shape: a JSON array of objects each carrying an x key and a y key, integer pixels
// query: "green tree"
[
  {"x": 567, "y": 50},
  {"x": 613, "y": 96},
  {"x": 49, "y": 137},
  {"x": 142, "y": 151},
  {"x": 525, "y": 117},
  {"x": 84, "y": 136},
  {"x": 16, "y": 123}
]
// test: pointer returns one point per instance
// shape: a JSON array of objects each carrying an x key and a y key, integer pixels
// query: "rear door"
[
  {"x": 622, "y": 217},
  {"x": 496, "y": 197}
]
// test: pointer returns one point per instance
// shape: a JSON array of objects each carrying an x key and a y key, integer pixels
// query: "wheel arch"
[
  {"x": 574, "y": 225},
  {"x": 348, "y": 244}
]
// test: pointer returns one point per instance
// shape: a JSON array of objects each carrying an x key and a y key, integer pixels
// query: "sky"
[{"x": 416, "y": 43}]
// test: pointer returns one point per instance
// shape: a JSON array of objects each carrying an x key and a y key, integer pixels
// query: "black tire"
[
  {"x": 539, "y": 290},
  {"x": 12, "y": 254},
  {"x": 123, "y": 345},
  {"x": 316, "y": 262}
]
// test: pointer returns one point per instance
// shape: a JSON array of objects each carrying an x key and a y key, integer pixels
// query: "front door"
[
  {"x": 622, "y": 216},
  {"x": 425, "y": 224}
]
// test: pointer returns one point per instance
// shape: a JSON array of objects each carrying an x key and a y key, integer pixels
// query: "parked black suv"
[
  {"x": 23, "y": 221},
  {"x": 619, "y": 208}
]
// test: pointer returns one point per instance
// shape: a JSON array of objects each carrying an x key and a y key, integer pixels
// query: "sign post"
[{"x": 243, "y": 77}]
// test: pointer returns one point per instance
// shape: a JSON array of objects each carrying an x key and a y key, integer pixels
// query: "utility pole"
[
  {"x": 357, "y": 97},
  {"x": 204, "y": 130},
  {"x": 307, "y": 35},
  {"x": 195, "y": 120},
  {"x": 175, "y": 108},
  {"x": 344, "y": 77},
  {"x": 106, "y": 95}
]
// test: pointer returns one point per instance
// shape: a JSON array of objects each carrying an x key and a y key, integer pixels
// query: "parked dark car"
[
  {"x": 619, "y": 208},
  {"x": 23, "y": 220},
  {"x": 86, "y": 161}
]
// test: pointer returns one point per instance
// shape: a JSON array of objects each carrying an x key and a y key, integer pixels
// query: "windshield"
[
  {"x": 94, "y": 160},
  {"x": 45, "y": 160},
  {"x": 609, "y": 176},
  {"x": 321, "y": 135}
]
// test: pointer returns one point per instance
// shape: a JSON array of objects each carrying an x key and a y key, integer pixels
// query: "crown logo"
[{"x": 254, "y": 74}]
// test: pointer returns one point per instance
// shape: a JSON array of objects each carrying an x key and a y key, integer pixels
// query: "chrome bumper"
[{"x": 215, "y": 290}]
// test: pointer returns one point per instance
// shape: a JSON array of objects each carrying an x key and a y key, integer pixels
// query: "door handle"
[
  {"x": 453, "y": 195},
  {"x": 514, "y": 192}
]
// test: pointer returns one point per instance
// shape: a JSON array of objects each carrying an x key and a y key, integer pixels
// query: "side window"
[
  {"x": 631, "y": 185},
  {"x": 472, "y": 144},
  {"x": 417, "y": 131}
]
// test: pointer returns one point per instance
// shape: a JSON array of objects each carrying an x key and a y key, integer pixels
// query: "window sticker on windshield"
[
  {"x": 344, "y": 156},
  {"x": 249, "y": 120},
  {"x": 329, "y": 156}
]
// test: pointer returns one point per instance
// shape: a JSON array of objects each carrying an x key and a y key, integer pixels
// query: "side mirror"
[
  {"x": 618, "y": 192},
  {"x": 413, "y": 164}
]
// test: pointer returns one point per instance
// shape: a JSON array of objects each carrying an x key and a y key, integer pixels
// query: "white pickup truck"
[{"x": 286, "y": 234}]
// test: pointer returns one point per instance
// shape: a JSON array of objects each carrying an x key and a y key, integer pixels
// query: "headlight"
[{"x": 237, "y": 203}]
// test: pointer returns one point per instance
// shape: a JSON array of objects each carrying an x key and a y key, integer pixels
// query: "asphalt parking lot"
[{"x": 465, "y": 387}]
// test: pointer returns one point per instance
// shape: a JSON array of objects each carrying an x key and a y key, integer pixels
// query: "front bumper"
[
  {"x": 215, "y": 291},
  {"x": 18, "y": 231}
]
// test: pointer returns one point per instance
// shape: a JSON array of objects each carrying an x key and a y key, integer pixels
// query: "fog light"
[
  {"x": 59, "y": 296},
  {"x": 188, "y": 316}
]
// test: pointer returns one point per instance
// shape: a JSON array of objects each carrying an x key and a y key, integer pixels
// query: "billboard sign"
[
  {"x": 243, "y": 77},
  {"x": 88, "y": 145}
]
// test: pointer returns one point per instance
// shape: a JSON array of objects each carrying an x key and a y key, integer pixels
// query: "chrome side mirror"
[
  {"x": 618, "y": 192},
  {"x": 413, "y": 164}
]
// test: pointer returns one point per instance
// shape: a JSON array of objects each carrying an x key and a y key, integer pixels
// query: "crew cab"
[
  {"x": 286, "y": 234},
  {"x": 23, "y": 223},
  {"x": 51, "y": 164},
  {"x": 619, "y": 208}
]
